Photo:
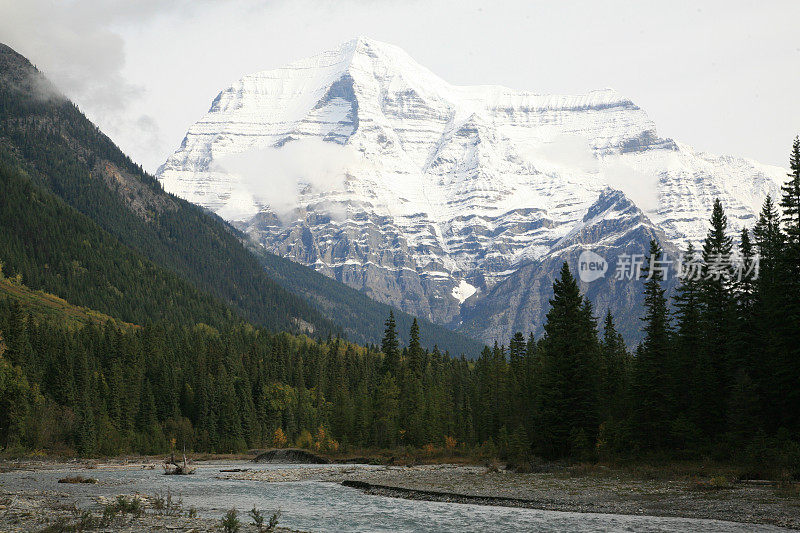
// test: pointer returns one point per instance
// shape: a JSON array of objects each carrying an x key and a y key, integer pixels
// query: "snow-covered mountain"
[{"x": 440, "y": 199}]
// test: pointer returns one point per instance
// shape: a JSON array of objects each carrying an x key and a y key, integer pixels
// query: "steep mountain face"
[
  {"x": 79, "y": 219},
  {"x": 614, "y": 229},
  {"x": 431, "y": 197}
]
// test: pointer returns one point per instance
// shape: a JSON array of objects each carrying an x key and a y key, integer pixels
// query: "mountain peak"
[
  {"x": 371, "y": 47},
  {"x": 363, "y": 43},
  {"x": 435, "y": 186}
]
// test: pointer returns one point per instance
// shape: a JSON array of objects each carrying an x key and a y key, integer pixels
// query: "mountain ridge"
[{"x": 438, "y": 191}]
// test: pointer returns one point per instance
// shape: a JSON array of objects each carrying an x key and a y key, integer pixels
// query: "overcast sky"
[{"x": 722, "y": 76}]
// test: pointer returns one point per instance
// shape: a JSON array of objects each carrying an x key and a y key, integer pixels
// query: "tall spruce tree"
[
  {"x": 517, "y": 380},
  {"x": 687, "y": 367},
  {"x": 569, "y": 387},
  {"x": 717, "y": 320},
  {"x": 789, "y": 366},
  {"x": 744, "y": 286},
  {"x": 790, "y": 202},
  {"x": 768, "y": 312},
  {"x": 614, "y": 369},
  {"x": 652, "y": 382},
  {"x": 416, "y": 354},
  {"x": 745, "y": 278},
  {"x": 390, "y": 346}
]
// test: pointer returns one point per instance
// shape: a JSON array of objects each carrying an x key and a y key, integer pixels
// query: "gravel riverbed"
[
  {"x": 596, "y": 493},
  {"x": 31, "y": 499}
]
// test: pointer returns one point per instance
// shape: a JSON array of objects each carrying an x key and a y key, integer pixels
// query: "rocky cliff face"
[
  {"x": 456, "y": 204},
  {"x": 616, "y": 231}
]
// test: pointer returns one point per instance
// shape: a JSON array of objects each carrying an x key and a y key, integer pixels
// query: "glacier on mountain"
[{"x": 373, "y": 170}]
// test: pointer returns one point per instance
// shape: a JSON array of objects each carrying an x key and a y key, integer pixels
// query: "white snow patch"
[{"x": 462, "y": 291}]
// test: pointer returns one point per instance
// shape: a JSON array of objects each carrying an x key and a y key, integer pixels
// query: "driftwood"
[{"x": 172, "y": 468}]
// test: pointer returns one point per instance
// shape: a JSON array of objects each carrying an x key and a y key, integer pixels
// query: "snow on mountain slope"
[{"x": 428, "y": 195}]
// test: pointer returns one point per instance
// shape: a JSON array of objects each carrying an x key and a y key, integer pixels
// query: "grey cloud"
[{"x": 76, "y": 44}]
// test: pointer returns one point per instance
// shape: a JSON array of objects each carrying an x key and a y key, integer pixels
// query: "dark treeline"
[
  {"x": 104, "y": 390},
  {"x": 717, "y": 374}
]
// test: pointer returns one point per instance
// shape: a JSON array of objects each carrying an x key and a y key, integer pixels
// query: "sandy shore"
[{"x": 560, "y": 491}]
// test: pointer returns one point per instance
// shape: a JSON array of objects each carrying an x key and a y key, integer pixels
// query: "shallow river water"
[{"x": 324, "y": 506}]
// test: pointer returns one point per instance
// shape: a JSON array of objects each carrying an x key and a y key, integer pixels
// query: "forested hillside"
[
  {"x": 49, "y": 139},
  {"x": 718, "y": 372},
  {"x": 55, "y": 248},
  {"x": 46, "y": 139}
]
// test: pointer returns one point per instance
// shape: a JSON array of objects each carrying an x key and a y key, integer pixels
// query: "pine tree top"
[
  {"x": 790, "y": 202},
  {"x": 717, "y": 242}
]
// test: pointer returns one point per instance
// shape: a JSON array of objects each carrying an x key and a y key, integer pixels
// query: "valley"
[{"x": 365, "y": 295}]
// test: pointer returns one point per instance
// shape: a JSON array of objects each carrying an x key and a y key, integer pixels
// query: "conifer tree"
[
  {"x": 569, "y": 388},
  {"x": 789, "y": 305},
  {"x": 416, "y": 354},
  {"x": 744, "y": 287},
  {"x": 652, "y": 378},
  {"x": 516, "y": 349},
  {"x": 614, "y": 371},
  {"x": 717, "y": 321},
  {"x": 517, "y": 380},
  {"x": 790, "y": 202},
  {"x": 768, "y": 312},
  {"x": 390, "y": 346},
  {"x": 769, "y": 241},
  {"x": 692, "y": 379},
  {"x": 744, "y": 282}
]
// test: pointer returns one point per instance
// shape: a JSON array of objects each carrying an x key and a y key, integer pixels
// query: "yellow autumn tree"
[
  {"x": 320, "y": 439},
  {"x": 279, "y": 438}
]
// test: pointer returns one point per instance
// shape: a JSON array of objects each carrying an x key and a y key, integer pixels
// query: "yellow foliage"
[
  {"x": 279, "y": 439},
  {"x": 321, "y": 437}
]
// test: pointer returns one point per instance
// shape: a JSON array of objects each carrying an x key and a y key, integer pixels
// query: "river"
[{"x": 324, "y": 506}]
